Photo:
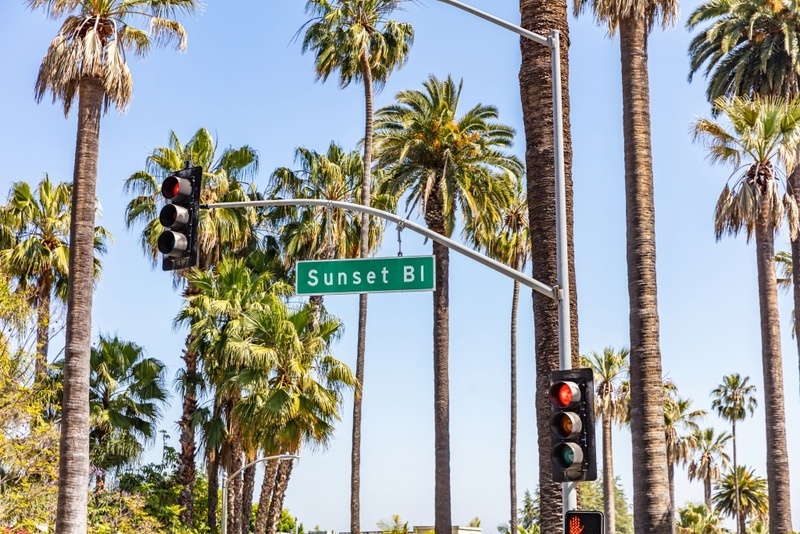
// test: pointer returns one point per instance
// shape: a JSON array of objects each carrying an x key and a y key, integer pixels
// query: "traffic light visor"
[
  {"x": 566, "y": 455},
  {"x": 173, "y": 216},
  {"x": 172, "y": 244},
  {"x": 566, "y": 425},
  {"x": 176, "y": 189},
  {"x": 565, "y": 394}
]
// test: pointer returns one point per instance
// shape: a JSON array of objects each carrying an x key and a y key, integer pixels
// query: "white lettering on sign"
[
  {"x": 408, "y": 273},
  {"x": 371, "y": 277},
  {"x": 357, "y": 277},
  {"x": 312, "y": 277},
  {"x": 384, "y": 272}
]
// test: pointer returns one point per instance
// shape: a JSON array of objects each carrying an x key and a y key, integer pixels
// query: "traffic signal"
[
  {"x": 584, "y": 522},
  {"x": 572, "y": 425},
  {"x": 179, "y": 217}
]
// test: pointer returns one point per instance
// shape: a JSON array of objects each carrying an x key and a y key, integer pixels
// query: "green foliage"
[
  {"x": 159, "y": 487},
  {"x": 591, "y": 498},
  {"x": 28, "y": 446},
  {"x": 695, "y": 518},
  {"x": 286, "y": 523},
  {"x": 397, "y": 526}
]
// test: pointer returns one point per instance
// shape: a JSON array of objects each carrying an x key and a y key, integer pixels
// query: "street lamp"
[
  {"x": 570, "y": 501},
  {"x": 225, "y": 478}
]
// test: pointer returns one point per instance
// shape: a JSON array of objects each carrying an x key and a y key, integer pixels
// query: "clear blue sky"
[{"x": 245, "y": 79}]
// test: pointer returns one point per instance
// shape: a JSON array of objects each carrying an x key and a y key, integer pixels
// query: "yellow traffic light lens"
[{"x": 566, "y": 425}]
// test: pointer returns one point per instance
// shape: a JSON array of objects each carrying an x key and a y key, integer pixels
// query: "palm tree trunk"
[
  {"x": 650, "y": 477},
  {"x": 609, "y": 506},
  {"x": 43, "y": 324},
  {"x": 671, "y": 476},
  {"x": 795, "y": 184},
  {"x": 355, "y": 460},
  {"x": 535, "y": 80},
  {"x": 707, "y": 492},
  {"x": 73, "y": 467},
  {"x": 278, "y": 492},
  {"x": 235, "y": 483},
  {"x": 266, "y": 495},
  {"x": 777, "y": 456},
  {"x": 247, "y": 493},
  {"x": 186, "y": 467},
  {"x": 434, "y": 218},
  {"x": 512, "y": 449},
  {"x": 212, "y": 471},
  {"x": 736, "y": 478}
]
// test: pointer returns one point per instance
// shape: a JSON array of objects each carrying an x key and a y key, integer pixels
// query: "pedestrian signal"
[{"x": 584, "y": 522}]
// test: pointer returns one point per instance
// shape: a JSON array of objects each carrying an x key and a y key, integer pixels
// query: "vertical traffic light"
[
  {"x": 572, "y": 425},
  {"x": 178, "y": 242}
]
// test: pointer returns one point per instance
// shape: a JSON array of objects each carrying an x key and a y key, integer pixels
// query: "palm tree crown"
[
  {"x": 95, "y": 38},
  {"x": 750, "y": 47},
  {"x": 343, "y": 32},
  {"x": 709, "y": 457},
  {"x": 445, "y": 163},
  {"x": 734, "y": 398},
  {"x": 761, "y": 131}
]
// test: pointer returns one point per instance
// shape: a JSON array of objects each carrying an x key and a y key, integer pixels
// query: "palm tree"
[
  {"x": 357, "y": 39},
  {"x": 318, "y": 232},
  {"x": 764, "y": 131},
  {"x": 444, "y": 163},
  {"x": 127, "y": 393},
  {"x": 296, "y": 390},
  {"x": 217, "y": 315},
  {"x": 741, "y": 483},
  {"x": 708, "y": 458},
  {"x": 749, "y": 49},
  {"x": 508, "y": 242},
  {"x": 698, "y": 519},
  {"x": 680, "y": 425},
  {"x": 535, "y": 86},
  {"x": 746, "y": 49},
  {"x": 87, "y": 59},
  {"x": 37, "y": 255},
  {"x": 732, "y": 400},
  {"x": 634, "y": 21},
  {"x": 225, "y": 179},
  {"x": 609, "y": 368}
]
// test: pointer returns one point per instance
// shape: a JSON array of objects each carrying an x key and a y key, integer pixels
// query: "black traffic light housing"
[
  {"x": 180, "y": 217},
  {"x": 571, "y": 396}
]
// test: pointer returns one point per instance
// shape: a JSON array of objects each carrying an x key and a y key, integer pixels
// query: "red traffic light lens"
[
  {"x": 565, "y": 394},
  {"x": 176, "y": 189}
]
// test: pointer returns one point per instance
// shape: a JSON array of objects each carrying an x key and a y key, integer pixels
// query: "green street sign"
[{"x": 371, "y": 275}]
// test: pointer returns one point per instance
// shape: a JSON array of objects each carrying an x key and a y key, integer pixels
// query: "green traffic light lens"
[{"x": 567, "y": 457}]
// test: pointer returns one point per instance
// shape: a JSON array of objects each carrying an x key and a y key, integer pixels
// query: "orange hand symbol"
[{"x": 575, "y": 526}]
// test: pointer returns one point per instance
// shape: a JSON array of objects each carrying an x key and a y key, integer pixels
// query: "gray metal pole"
[
  {"x": 562, "y": 252},
  {"x": 522, "y": 278},
  {"x": 224, "y": 519},
  {"x": 569, "y": 495}
]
